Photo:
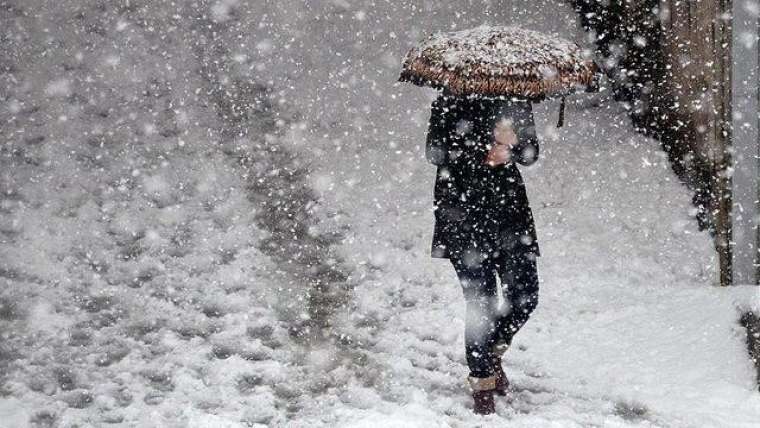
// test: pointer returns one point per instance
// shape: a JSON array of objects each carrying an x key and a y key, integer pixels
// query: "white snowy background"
[{"x": 218, "y": 214}]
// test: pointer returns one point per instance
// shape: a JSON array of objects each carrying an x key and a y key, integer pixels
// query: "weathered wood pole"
[
  {"x": 696, "y": 94},
  {"x": 722, "y": 152},
  {"x": 722, "y": 164}
]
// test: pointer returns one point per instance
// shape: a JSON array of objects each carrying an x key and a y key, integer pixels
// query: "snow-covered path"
[
  {"x": 630, "y": 330},
  {"x": 138, "y": 289}
]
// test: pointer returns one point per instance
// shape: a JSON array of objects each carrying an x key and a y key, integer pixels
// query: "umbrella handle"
[{"x": 561, "y": 120}]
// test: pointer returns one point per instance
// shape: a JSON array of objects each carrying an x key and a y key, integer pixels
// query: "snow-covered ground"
[
  {"x": 149, "y": 277},
  {"x": 629, "y": 329}
]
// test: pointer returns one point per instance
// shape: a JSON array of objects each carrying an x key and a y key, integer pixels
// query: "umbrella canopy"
[{"x": 499, "y": 61}]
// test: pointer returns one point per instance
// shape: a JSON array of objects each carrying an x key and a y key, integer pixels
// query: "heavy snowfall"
[{"x": 218, "y": 213}]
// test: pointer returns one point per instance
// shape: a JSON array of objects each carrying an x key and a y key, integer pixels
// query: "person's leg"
[
  {"x": 519, "y": 283},
  {"x": 479, "y": 288}
]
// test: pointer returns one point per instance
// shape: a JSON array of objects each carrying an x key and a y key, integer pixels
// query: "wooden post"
[
  {"x": 744, "y": 138},
  {"x": 722, "y": 162},
  {"x": 696, "y": 48}
]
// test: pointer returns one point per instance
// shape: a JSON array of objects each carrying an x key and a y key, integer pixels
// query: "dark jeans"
[{"x": 486, "y": 323}]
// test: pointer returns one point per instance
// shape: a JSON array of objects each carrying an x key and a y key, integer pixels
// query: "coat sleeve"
[
  {"x": 436, "y": 146},
  {"x": 526, "y": 150}
]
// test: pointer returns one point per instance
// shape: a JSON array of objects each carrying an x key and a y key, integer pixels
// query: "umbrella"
[{"x": 499, "y": 61}]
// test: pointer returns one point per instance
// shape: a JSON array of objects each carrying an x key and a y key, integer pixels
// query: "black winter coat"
[{"x": 480, "y": 211}]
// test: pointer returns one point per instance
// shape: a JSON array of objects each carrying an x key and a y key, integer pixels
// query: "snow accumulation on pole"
[{"x": 746, "y": 145}]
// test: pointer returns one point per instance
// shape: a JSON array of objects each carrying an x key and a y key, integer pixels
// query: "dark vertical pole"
[
  {"x": 722, "y": 177},
  {"x": 744, "y": 139}
]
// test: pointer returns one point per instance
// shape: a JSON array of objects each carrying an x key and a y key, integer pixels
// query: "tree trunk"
[{"x": 670, "y": 59}]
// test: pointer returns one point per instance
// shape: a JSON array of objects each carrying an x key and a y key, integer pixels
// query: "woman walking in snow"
[{"x": 484, "y": 224}]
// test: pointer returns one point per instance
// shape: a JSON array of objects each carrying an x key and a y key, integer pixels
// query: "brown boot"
[
  {"x": 482, "y": 394},
  {"x": 502, "y": 383}
]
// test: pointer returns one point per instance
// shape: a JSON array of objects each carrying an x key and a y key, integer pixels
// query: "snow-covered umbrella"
[{"x": 499, "y": 61}]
